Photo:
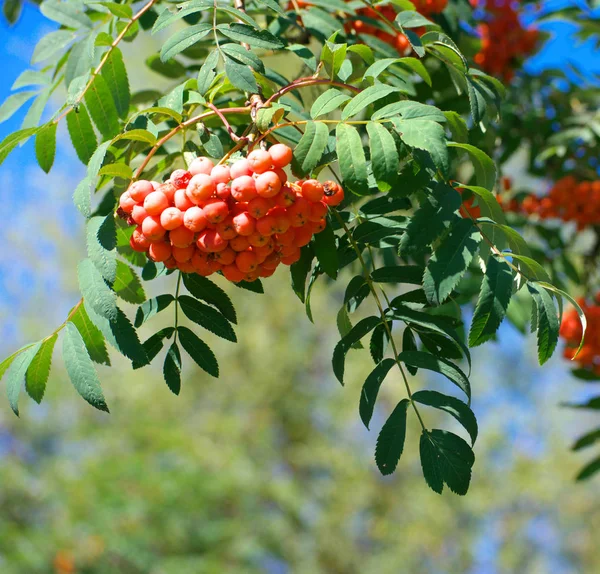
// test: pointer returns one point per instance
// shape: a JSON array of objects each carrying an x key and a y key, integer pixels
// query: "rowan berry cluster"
[
  {"x": 571, "y": 331},
  {"x": 568, "y": 200},
  {"x": 242, "y": 219},
  {"x": 398, "y": 41},
  {"x": 503, "y": 38}
]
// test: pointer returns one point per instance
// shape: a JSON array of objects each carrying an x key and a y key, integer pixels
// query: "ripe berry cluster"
[
  {"x": 242, "y": 219},
  {"x": 503, "y": 38},
  {"x": 571, "y": 330},
  {"x": 568, "y": 200},
  {"x": 398, "y": 41}
]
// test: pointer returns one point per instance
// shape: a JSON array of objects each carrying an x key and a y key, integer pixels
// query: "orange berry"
[
  {"x": 155, "y": 203},
  {"x": 243, "y": 188},
  {"x": 181, "y": 237},
  {"x": 221, "y": 174},
  {"x": 215, "y": 211},
  {"x": 138, "y": 190},
  {"x": 232, "y": 273},
  {"x": 281, "y": 155},
  {"x": 312, "y": 190},
  {"x": 160, "y": 251},
  {"x": 152, "y": 228},
  {"x": 246, "y": 261},
  {"x": 268, "y": 184},
  {"x": 210, "y": 241},
  {"x": 244, "y": 224},
  {"x": 259, "y": 160},
  {"x": 138, "y": 241},
  {"x": 127, "y": 203},
  {"x": 182, "y": 254},
  {"x": 139, "y": 214},
  {"x": 317, "y": 211},
  {"x": 180, "y": 178},
  {"x": 239, "y": 243},
  {"x": 258, "y": 207},
  {"x": 171, "y": 218},
  {"x": 201, "y": 165},
  {"x": 181, "y": 200},
  {"x": 200, "y": 188},
  {"x": 239, "y": 168},
  {"x": 194, "y": 219}
]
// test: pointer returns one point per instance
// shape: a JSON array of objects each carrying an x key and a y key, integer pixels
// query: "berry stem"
[
  {"x": 386, "y": 326},
  {"x": 309, "y": 81}
]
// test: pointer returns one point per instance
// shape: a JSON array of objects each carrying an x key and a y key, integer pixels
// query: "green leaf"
[
  {"x": 153, "y": 345},
  {"x": 423, "y": 360},
  {"x": 476, "y": 100},
  {"x": 410, "y": 110},
  {"x": 390, "y": 442},
  {"x": 384, "y": 156},
  {"x": 450, "y": 261},
  {"x": 380, "y": 339},
  {"x": 299, "y": 271},
  {"x": 426, "y": 135},
  {"x": 485, "y": 168},
  {"x": 254, "y": 286},
  {"x": 69, "y": 14},
  {"x": 346, "y": 343},
  {"x": 102, "y": 108},
  {"x": 127, "y": 284},
  {"x": 446, "y": 458},
  {"x": 243, "y": 56},
  {"x": 487, "y": 202},
  {"x": 351, "y": 158},
  {"x": 589, "y": 470},
  {"x": 169, "y": 69},
  {"x": 120, "y": 334},
  {"x": 326, "y": 251},
  {"x": 458, "y": 126},
  {"x": 252, "y": 36},
  {"x": 412, "y": 19},
  {"x": 101, "y": 241},
  {"x": 494, "y": 297},
  {"x": 412, "y": 274},
  {"x": 172, "y": 369},
  {"x": 50, "y": 44},
  {"x": 13, "y": 103},
  {"x": 203, "y": 288},
  {"x": 327, "y": 102},
  {"x": 199, "y": 351},
  {"x": 461, "y": 412},
  {"x": 184, "y": 39},
  {"x": 370, "y": 389},
  {"x": 587, "y": 439},
  {"x": 82, "y": 133},
  {"x": 120, "y": 170},
  {"x": 92, "y": 336},
  {"x": 310, "y": 148},
  {"x": 11, "y": 141},
  {"x": 45, "y": 146},
  {"x": 115, "y": 76},
  {"x": 367, "y": 97},
  {"x": 95, "y": 291},
  {"x": 207, "y": 73},
  {"x": 39, "y": 369},
  {"x": 151, "y": 307},
  {"x": 240, "y": 75},
  {"x": 80, "y": 368},
  {"x": 207, "y": 317},
  {"x": 166, "y": 17},
  {"x": 12, "y": 10},
  {"x": 137, "y": 135},
  {"x": 431, "y": 220},
  {"x": 547, "y": 322},
  {"x": 15, "y": 374}
]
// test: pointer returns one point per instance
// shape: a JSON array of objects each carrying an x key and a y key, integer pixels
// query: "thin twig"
[
  {"x": 309, "y": 81},
  {"x": 104, "y": 59}
]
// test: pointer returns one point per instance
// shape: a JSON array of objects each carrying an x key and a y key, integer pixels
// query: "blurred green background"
[{"x": 268, "y": 469}]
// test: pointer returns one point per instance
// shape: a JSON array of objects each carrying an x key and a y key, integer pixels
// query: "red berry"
[
  {"x": 239, "y": 243},
  {"x": 195, "y": 219},
  {"x": 246, "y": 261},
  {"x": 181, "y": 237},
  {"x": 299, "y": 212},
  {"x": 281, "y": 155},
  {"x": 160, "y": 251},
  {"x": 138, "y": 241},
  {"x": 223, "y": 191},
  {"x": 127, "y": 203},
  {"x": 243, "y": 188},
  {"x": 239, "y": 168},
  {"x": 232, "y": 273},
  {"x": 181, "y": 200},
  {"x": 200, "y": 188},
  {"x": 210, "y": 241},
  {"x": 180, "y": 178},
  {"x": 258, "y": 207},
  {"x": 139, "y": 214},
  {"x": 317, "y": 211},
  {"x": 201, "y": 165},
  {"x": 286, "y": 197},
  {"x": 258, "y": 240},
  {"x": 155, "y": 203},
  {"x": 138, "y": 190},
  {"x": 268, "y": 184},
  {"x": 168, "y": 189},
  {"x": 152, "y": 228},
  {"x": 259, "y": 160},
  {"x": 225, "y": 257},
  {"x": 221, "y": 174},
  {"x": 334, "y": 194},
  {"x": 226, "y": 228},
  {"x": 171, "y": 218},
  {"x": 182, "y": 254},
  {"x": 244, "y": 224},
  {"x": 215, "y": 211},
  {"x": 313, "y": 190}
]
